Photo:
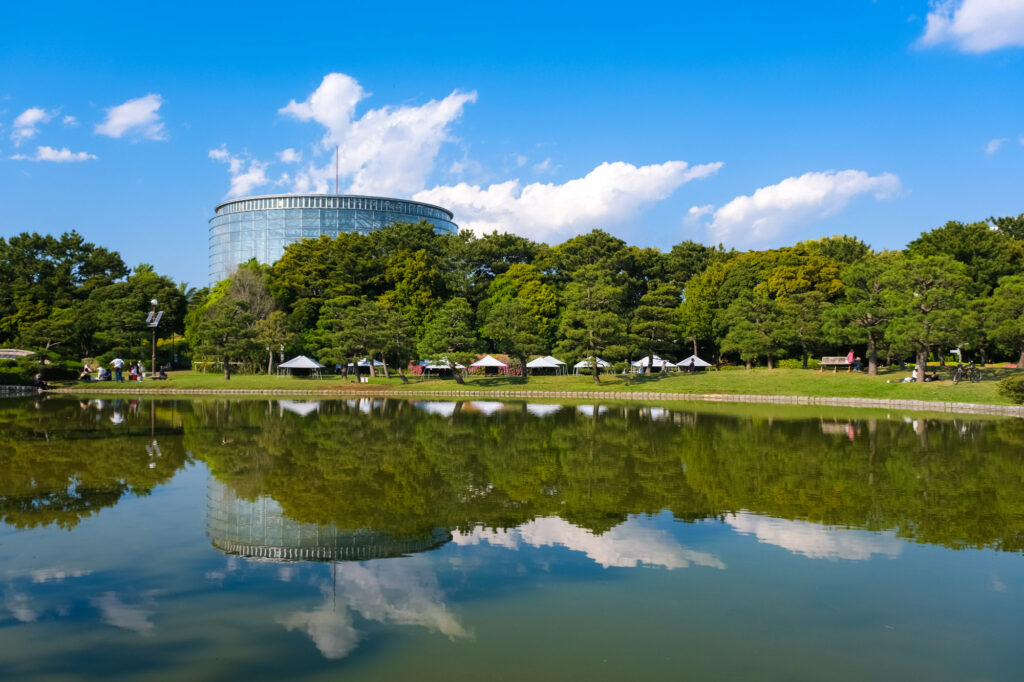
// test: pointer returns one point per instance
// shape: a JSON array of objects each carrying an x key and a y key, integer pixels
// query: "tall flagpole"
[{"x": 337, "y": 153}]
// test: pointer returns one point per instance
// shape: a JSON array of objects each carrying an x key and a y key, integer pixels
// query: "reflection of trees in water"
[
  {"x": 62, "y": 461},
  {"x": 405, "y": 471}
]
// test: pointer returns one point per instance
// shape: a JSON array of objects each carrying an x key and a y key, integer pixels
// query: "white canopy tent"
[
  {"x": 488, "y": 361},
  {"x": 427, "y": 366},
  {"x": 365, "y": 362},
  {"x": 697, "y": 363},
  {"x": 646, "y": 360},
  {"x": 547, "y": 362},
  {"x": 303, "y": 363},
  {"x": 589, "y": 363},
  {"x": 442, "y": 364}
]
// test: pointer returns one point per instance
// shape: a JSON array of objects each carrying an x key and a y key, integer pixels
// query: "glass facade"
[{"x": 260, "y": 227}]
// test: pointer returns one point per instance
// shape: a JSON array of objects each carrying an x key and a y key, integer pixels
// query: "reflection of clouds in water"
[
  {"x": 53, "y": 574},
  {"x": 814, "y": 540},
  {"x": 626, "y": 545},
  {"x": 20, "y": 607},
  {"x": 134, "y": 617},
  {"x": 401, "y": 591},
  {"x": 331, "y": 630}
]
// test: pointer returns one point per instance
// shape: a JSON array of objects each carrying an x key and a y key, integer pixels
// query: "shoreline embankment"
[{"x": 633, "y": 396}]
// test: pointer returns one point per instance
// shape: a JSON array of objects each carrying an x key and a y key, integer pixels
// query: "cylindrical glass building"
[{"x": 260, "y": 227}]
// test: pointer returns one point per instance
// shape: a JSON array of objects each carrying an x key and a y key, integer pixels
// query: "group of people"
[{"x": 136, "y": 371}]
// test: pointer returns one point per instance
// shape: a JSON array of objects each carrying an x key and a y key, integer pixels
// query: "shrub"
[
  {"x": 797, "y": 363},
  {"x": 1012, "y": 388}
]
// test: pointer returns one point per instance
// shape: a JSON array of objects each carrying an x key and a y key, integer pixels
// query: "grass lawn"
[{"x": 758, "y": 381}]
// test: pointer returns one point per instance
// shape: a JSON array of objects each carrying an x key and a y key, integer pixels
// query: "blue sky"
[{"x": 754, "y": 124}]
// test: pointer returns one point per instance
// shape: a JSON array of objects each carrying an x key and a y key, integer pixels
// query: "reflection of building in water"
[{"x": 259, "y": 529}]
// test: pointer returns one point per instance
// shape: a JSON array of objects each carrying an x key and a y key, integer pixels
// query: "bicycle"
[{"x": 966, "y": 372}]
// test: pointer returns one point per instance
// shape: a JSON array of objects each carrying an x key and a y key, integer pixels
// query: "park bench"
[{"x": 835, "y": 363}]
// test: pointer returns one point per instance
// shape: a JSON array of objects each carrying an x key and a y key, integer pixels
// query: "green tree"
[
  {"x": 117, "y": 312},
  {"x": 537, "y": 298},
  {"x": 987, "y": 254},
  {"x": 863, "y": 313},
  {"x": 754, "y": 326},
  {"x": 449, "y": 336},
  {"x": 273, "y": 334},
  {"x": 656, "y": 320},
  {"x": 225, "y": 331},
  {"x": 513, "y": 328},
  {"x": 399, "y": 342},
  {"x": 1010, "y": 226},
  {"x": 592, "y": 322},
  {"x": 1005, "y": 311},
  {"x": 44, "y": 281},
  {"x": 927, "y": 299},
  {"x": 802, "y": 315}
]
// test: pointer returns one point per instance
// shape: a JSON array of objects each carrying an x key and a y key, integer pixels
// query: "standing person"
[
  {"x": 118, "y": 364},
  {"x": 142, "y": 370}
]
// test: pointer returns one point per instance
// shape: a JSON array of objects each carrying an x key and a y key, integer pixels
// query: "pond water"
[{"x": 381, "y": 539}]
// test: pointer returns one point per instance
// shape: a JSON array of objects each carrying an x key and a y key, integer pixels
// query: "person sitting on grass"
[
  {"x": 38, "y": 382},
  {"x": 86, "y": 374}
]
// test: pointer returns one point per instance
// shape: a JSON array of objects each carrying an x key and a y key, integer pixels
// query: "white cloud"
[
  {"x": 289, "y": 156},
  {"x": 816, "y": 541},
  {"x": 994, "y": 145},
  {"x": 62, "y": 155},
  {"x": 402, "y": 592},
  {"x": 134, "y": 617},
  {"x": 246, "y": 174},
  {"x": 975, "y": 25},
  {"x": 610, "y": 193},
  {"x": 520, "y": 160},
  {"x": 545, "y": 166},
  {"x": 387, "y": 151},
  {"x": 759, "y": 218},
  {"x": 137, "y": 117},
  {"x": 54, "y": 574},
  {"x": 20, "y": 606},
  {"x": 625, "y": 546},
  {"x": 693, "y": 216},
  {"x": 70, "y": 121},
  {"x": 330, "y": 629},
  {"x": 26, "y": 125}
]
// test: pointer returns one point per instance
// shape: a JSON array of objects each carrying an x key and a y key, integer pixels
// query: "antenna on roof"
[{"x": 337, "y": 154}]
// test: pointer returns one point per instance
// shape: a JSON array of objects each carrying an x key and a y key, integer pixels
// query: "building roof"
[{"x": 318, "y": 195}]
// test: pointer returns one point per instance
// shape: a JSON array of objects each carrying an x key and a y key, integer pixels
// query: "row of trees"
[{"x": 405, "y": 293}]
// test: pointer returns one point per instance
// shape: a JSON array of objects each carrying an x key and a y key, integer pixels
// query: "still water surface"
[{"x": 399, "y": 539}]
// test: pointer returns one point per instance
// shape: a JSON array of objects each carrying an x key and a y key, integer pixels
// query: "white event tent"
[
  {"x": 547, "y": 362},
  {"x": 658, "y": 362},
  {"x": 488, "y": 362},
  {"x": 586, "y": 364},
  {"x": 697, "y": 363},
  {"x": 303, "y": 363}
]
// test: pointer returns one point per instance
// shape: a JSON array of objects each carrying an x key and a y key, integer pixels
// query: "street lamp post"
[{"x": 153, "y": 319}]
